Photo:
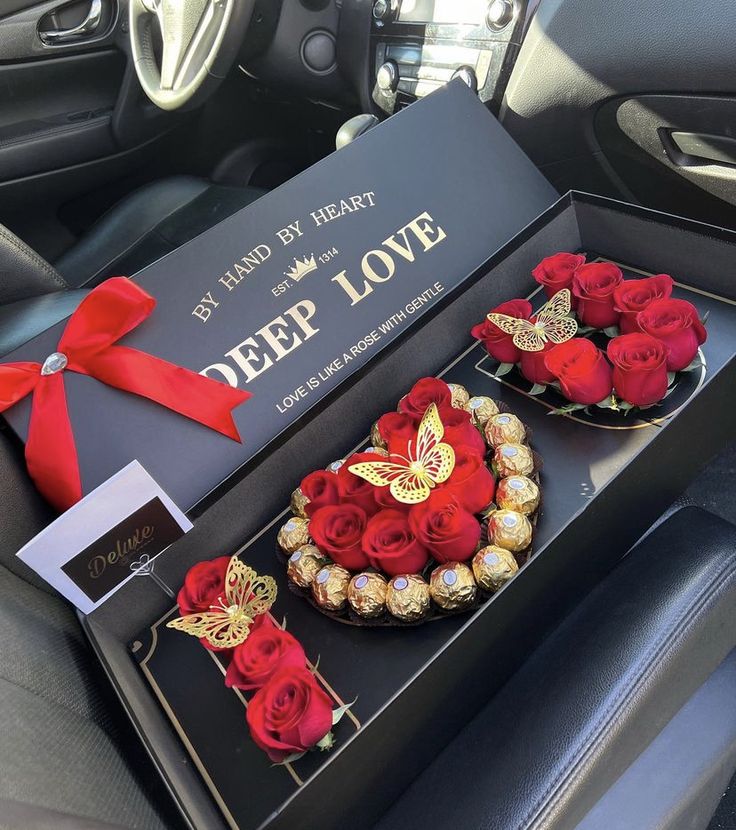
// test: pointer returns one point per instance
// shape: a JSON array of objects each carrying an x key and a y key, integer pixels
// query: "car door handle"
[{"x": 86, "y": 28}]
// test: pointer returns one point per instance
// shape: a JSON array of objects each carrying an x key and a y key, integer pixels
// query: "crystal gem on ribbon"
[{"x": 55, "y": 362}]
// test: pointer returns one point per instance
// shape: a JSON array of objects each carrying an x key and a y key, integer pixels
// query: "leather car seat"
[
  {"x": 141, "y": 228},
  {"x": 623, "y": 718}
]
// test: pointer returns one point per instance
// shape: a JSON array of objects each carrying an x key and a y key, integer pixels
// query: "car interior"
[{"x": 129, "y": 127}]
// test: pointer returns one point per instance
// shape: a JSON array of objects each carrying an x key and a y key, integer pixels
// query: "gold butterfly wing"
[
  {"x": 216, "y": 626},
  {"x": 438, "y": 459},
  {"x": 553, "y": 318},
  {"x": 252, "y": 593},
  {"x": 525, "y": 335},
  {"x": 405, "y": 486}
]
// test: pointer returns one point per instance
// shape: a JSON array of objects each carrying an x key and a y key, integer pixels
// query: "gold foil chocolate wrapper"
[
  {"x": 481, "y": 409},
  {"x": 504, "y": 428},
  {"x": 513, "y": 460},
  {"x": 460, "y": 395},
  {"x": 452, "y": 586},
  {"x": 377, "y": 451},
  {"x": 407, "y": 598},
  {"x": 377, "y": 438},
  {"x": 294, "y": 534},
  {"x": 367, "y": 594},
  {"x": 509, "y": 529},
  {"x": 330, "y": 587},
  {"x": 518, "y": 493},
  {"x": 335, "y": 466},
  {"x": 493, "y": 567},
  {"x": 299, "y": 503},
  {"x": 304, "y": 565}
]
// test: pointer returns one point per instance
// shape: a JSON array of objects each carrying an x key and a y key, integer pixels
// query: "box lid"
[{"x": 290, "y": 296}]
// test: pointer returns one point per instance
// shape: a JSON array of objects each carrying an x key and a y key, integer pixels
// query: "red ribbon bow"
[{"x": 106, "y": 314}]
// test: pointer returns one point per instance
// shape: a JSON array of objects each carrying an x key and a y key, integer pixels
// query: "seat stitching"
[
  {"x": 595, "y": 734},
  {"x": 15, "y": 242}
]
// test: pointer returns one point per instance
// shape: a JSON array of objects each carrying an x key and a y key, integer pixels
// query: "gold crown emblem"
[{"x": 301, "y": 268}]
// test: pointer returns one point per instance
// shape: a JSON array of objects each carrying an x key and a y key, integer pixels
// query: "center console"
[{"x": 419, "y": 45}]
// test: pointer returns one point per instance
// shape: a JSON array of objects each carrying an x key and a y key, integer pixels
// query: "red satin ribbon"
[{"x": 106, "y": 314}]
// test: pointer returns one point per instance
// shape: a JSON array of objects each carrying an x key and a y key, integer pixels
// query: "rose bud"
[
  {"x": 498, "y": 344},
  {"x": 448, "y": 531},
  {"x": 633, "y": 296},
  {"x": 320, "y": 488},
  {"x": 534, "y": 368},
  {"x": 354, "y": 489},
  {"x": 395, "y": 426},
  {"x": 677, "y": 325},
  {"x": 203, "y": 584},
  {"x": 593, "y": 285},
  {"x": 471, "y": 482},
  {"x": 337, "y": 531},
  {"x": 639, "y": 368},
  {"x": 556, "y": 272},
  {"x": 584, "y": 374},
  {"x": 289, "y": 715},
  {"x": 391, "y": 546},
  {"x": 266, "y": 651},
  {"x": 425, "y": 392}
]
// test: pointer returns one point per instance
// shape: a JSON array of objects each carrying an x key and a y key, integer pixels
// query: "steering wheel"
[{"x": 201, "y": 39}]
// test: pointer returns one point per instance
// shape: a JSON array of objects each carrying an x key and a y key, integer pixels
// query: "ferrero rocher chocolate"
[
  {"x": 294, "y": 534},
  {"x": 304, "y": 564},
  {"x": 335, "y": 466},
  {"x": 518, "y": 493},
  {"x": 452, "y": 586},
  {"x": 504, "y": 428},
  {"x": 481, "y": 409},
  {"x": 510, "y": 530},
  {"x": 407, "y": 598},
  {"x": 460, "y": 395},
  {"x": 493, "y": 566},
  {"x": 330, "y": 587},
  {"x": 367, "y": 594},
  {"x": 377, "y": 438},
  {"x": 513, "y": 459},
  {"x": 377, "y": 451},
  {"x": 299, "y": 503}
]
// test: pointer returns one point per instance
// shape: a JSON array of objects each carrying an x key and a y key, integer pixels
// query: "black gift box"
[
  {"x": 602, "y": 488},
  {"x": 291, "y": 295}
]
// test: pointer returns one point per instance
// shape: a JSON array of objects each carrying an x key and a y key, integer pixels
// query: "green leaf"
[
  {"x": 585, "y": 330},
  {"x": 337, "y": 714},
  {"x": 612, "y": 331},
  {"x": 503, "y": 369},
  {"x": 697, "y": 363},
  {"x": 670, "y": 391},
  {"x": 625, "y": 406},
  {"x": 565, "y": 410},
  {"x": 290, "y": 760},
  {"x": 537, "y": 389},
  {"x": 704, "y": 318},
  {"x": 609, "y": 403},
  {"x": 327, "y": 742},
  {"x": 671, "y": 378},
  {"x": 315, "y": 665}
]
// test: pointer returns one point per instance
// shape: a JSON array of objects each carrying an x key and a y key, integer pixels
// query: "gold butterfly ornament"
[
  {"x": 553, "y": 324},
  {"x": 227, "y": 623},
  {"x": 411, "y": 479}
]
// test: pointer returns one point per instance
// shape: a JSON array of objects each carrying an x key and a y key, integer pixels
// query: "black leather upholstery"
[
  {"x": 149, "y": 223},
  {"x": 23, "y": 320},
  {"x": 594, "y": 695},
  {"x": 23, "y": 273}
]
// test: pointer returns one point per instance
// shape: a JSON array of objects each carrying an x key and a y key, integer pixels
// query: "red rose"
[
  {"x": 384, "y": 499},
  {"x": 356, "y": 490},
  {"x": 266, "y": 651},
  {"x": 534, "y": 368},
  {"x": 584, "y": 374},
  {"x": 391, "y": 546},
  {"x": 425, "y": 392},
  {"x": 677, "y": 325},
  {"x": 461, "y": 432},
  {"x": 593, "y": 285},
  {"x": 445, "y": 528},
  {"x": 556, "y": 272},
  {"x": 337, "y": 530},
  {"x": 639, "y": 368},
  {"x": 395, "y": 426},
  {"x": 498, "y": 344},
  {"x": 471, "y": 482},
  {"x": 633, "y": 296},
  {"x": 203, "y": 584},
  {"x": 289, "y": 715},
  {"x": 320, "y": 487}
]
